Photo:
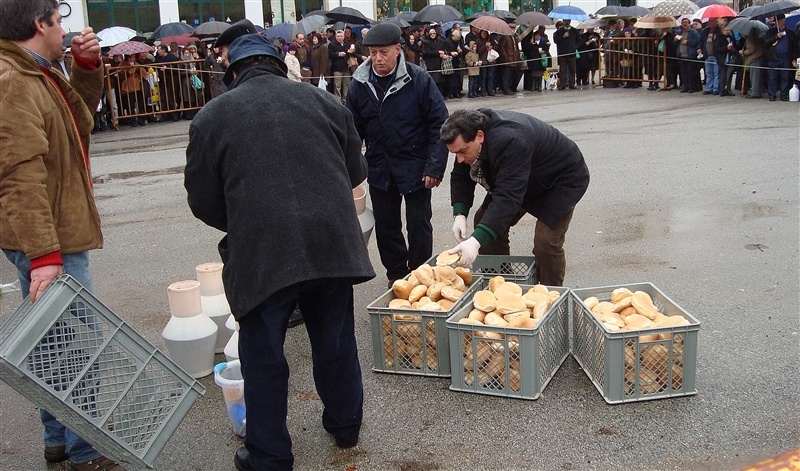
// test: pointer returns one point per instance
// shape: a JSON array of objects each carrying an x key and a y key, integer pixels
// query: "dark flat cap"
[
  {"x": 240, "y": 28},
  {"x": 250, "y": 45},
  {"x": 383, "y": 34}
]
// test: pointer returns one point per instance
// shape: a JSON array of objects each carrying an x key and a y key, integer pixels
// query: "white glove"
[
  {"x": 468, "y": 250},
  {"x": 460, "y": 228}
]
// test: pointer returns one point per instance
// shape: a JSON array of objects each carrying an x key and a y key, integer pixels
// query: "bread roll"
[
  {"x": 495, "y": 320},
  {"x": 424, "y": 274},
  {"x": 413, "y": 280},
  {"x": 508, "y": 303},
  {"x": 530, "y": 323},
  {"x": 534, "y": 297},
  {"x": 649, "y": 382},
  {"x": 407, "y": 317},
  {"x": 477, "y": 314},
  {"x": 399, "y": 304},
  {"x": 508, "y": 288},
  {"x": 484, "y": 300},
  {"x": 637, "y": 322},
  {"x": 447, "y": 259},
  {"x": 519, "y": 314},
  {"x": 468, "y": 320},
  {"x": 540, "y": 309},
  {"x": 459, "y": 284},
  {"x": 435, "y": 291},
  {"x": 489, "y": 335},
  {"x": 445, "y": 274},
  {"x": 624, "y": 303},
  {"x": 446, "y": 304},
  {"x": 417, "y": 293},
  {"x": 591, "y": 302},
  {"x": 655, "y": 357},
  {"x": 402, "y": 289},
  {"x": 465, "y": 274},
  {"x": 643, "y": 304},
  {"x": 539, "y": 288},
  {"x": 495, "y": 282},
  {"x": 603, "y": 306},
  {"x": 388, "y": 351},
  {"x": 554, "y": 295},
  {"x": 518, "y": 322},
  {"x": 448, "y": 292},
  {"x": 619, "y": 294},
  {"x": 431, "y": 306},
  {"x": 671, "y": 321},
  {"x": 627, "y": 311},
  {"x": 677, "y": 376}
]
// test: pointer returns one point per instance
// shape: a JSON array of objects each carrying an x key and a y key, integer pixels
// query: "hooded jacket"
[
  {"x": 46, "y": 200},
  {"x": 283, "y": 198},
  {"x": 528, "y": 165},
  {"x": 402, "y": 129}
]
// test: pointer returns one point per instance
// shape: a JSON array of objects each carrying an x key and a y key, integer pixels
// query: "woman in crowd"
[
  {"x": 292, "y": 64},
  {"x": 452, "y": 48},
  {"x": 433, "y": 50},
  {"x": 533, "y": 51},
  {"x": 320, "y": 64},
  {"x": 413, "y": 49},
  {"x": 488, "y": 70}
]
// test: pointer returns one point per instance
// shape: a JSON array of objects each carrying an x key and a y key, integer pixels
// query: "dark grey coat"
[
  {"x": 283, "y": 198},
  {"x": 528, "y": 164}
]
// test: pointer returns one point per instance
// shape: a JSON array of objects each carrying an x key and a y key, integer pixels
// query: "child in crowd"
[{"x": 473, "y": 70}]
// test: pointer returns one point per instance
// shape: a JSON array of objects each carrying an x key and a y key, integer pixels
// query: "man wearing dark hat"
[
  {"x": 779, "y": 41},
  {"x": 238, "y": 29},
  {"x": 398, "y": 111},
  {"x": 292, "y": 237}
]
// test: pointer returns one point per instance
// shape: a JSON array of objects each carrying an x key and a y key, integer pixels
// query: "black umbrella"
[
  {"x": 348, "y": 15},
  {"x": 705, "y": 3},
  {"x": 398, "y": 21},
  {"x": 635, "y": 10},
  {"x": 437, "y": 14},
  {"x": 211, "y": 28},
  {"x": 610, "y": 10},
  {"x": 747, "y": 26},
  {"x": 171, "y": 29},
  {"x": 315, "y": 13},
  {"x": 504, "y": 15},
  {"x": 406, "y": 16},
  {"x": 67, "y": 42},
  {"x": 762, "y": 12}
]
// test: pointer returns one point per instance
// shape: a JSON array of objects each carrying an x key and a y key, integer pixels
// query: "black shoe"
[
  {"x": 785, "y": 99},
  {"x": 772, "y": 98},
  {"x": 751, "y": 97},
  {"x": 706, "y": 92},
  {"x": 135, "y": 123},
  {"x": 295, "y": 319},
  {"x": 460, "y": 95},
  {"x": 55, "y": 454},
  {"x": 242, "y": 460},
  {"x": 175, "y": 117},
  {"x": 684, "y": 90},
  {"x": 693, "y": 91},
  {"x": 573, "y": 87},
  {"x": 345, "y": 444},
  {"x": 142, "y": 122}
]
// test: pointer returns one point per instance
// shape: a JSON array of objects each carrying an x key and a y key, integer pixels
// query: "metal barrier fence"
[
  {"x": 151, "y": 90},
  {"x": 631, "y": 59}
]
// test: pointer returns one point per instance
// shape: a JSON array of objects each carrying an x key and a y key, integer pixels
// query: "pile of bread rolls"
[
  {"x": 634, "y": 311},
  {"x": 503, "y": 304},
  {"x": 428, "y": 288}
]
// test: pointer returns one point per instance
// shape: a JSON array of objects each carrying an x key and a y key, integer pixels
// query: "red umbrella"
[
  {"x": 130, "y": 47},
  {"x": 715, "y": 11},
  {"x": 182, "y": 40},
  {"x": 492, "y": 25}
]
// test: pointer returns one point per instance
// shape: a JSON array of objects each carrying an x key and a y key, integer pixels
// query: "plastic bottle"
[
  {"x": 189, "y": 335},
  {"x": 794, "y": 93},
  {"x": 215, "y": 304}
]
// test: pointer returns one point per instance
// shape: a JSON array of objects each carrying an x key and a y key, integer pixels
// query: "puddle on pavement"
[{"x": 137, "y": 174}]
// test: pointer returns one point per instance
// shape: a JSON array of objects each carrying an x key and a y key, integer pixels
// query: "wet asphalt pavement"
[{"x": 698, "y": 195}]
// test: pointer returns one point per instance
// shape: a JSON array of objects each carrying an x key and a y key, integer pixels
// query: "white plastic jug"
[{"x": 794, "y": 93}]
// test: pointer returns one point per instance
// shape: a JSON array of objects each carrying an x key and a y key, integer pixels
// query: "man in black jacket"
[
  {"x": 567, "y": 39},
  {"x": 780, "y": 42},
  {"x": 292, "y": 237},
  {"x": 398, "y": 111},
  {"x": 526, "y": 166}
]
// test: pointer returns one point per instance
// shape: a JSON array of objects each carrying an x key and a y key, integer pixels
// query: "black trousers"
[{"x": 397, "y": 257}]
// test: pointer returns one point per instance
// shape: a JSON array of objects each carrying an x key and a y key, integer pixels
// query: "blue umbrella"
[
  {"x": 568, "y": 12},
  {"x": 283, "y": 30},
  {"x": 449, "y": 25},
  {"x": 792, "y": 20}
]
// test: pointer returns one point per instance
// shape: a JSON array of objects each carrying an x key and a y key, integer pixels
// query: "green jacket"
[{"x": 46, "y": 200}]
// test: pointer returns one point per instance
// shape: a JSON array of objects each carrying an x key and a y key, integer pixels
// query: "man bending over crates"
[
  {"x": 48, "y": 220},
  {"x": 526, "y": 166}
]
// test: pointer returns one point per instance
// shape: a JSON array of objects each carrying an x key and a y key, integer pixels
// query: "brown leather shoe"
[{"x": 99, "y": 464}]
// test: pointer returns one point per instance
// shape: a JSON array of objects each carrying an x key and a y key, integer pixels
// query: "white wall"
[
  {"x": 168, "y": 11},
  {"x": 78, "y": 19},
  {"x": 253, "y": 11},
  {"x": 289, "y": 14}
]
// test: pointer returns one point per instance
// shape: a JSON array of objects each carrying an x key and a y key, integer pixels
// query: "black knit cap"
[
  {"x": 383, "y": 34},
  {"x": 240, "y": 28}
]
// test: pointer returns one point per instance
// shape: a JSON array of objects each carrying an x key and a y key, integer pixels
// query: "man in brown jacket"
[
  {"x": 508, "y": 48},
  {"x": 48, "y": 219}
]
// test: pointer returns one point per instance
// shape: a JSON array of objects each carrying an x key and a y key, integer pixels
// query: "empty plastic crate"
[
  {"x": 625, "y": 368},
  {"x": 72, "y": 356},
  {"x": 410, "y": 341},
  {"x": 519, "y": 269},
  {"x": 520, "y": 363}
]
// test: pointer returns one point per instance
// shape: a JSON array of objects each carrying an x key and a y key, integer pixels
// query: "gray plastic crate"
[
  {"x": 521, "y": 364},
  {"x": 415, "y": 347},
  {"x": 72, "y": 356},
  {"x": 519, "y": 269},
  {"x": 614, "y": 361}
]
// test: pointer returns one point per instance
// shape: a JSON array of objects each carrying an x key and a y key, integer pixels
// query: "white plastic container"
[
  {"x": 367, "y": 222},
  {"x": 190, "y": 335},
  {"x": 794, "y": 93},
  {"x": 232, "y": 347},
  {"x": 360, "y": 198},
  {"x": 212, "y": 297},
  {"x": 228, "y": 376}
]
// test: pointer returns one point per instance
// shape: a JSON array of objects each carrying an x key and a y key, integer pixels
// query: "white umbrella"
[{"x": 115, "y": 35}]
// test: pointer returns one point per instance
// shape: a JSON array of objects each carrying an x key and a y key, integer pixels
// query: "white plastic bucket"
[
  {"x": 228, "y": 376},
  {"x": 360, "y": 198}
]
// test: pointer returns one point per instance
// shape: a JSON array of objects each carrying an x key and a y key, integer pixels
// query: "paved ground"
[{"x": 698, "y": 195}]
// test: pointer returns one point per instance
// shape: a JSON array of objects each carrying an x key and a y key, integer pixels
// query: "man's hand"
[
  {"x": 86, "y": 45},
  {"x": 460, "y": 228},
  {"x": 431, "y": 182},
  {"x": 468, "y": 250},
  {"x": 41, "y": 278}
]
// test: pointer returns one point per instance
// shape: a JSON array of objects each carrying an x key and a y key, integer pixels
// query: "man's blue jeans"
[
  {"x": 55, "y": 434},
  {"x": 712, "y": 75}
]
